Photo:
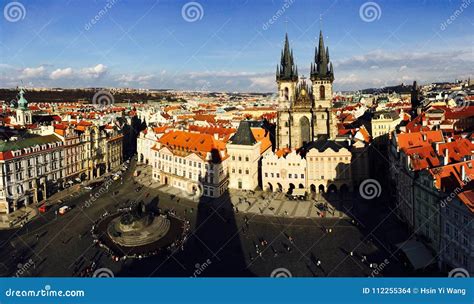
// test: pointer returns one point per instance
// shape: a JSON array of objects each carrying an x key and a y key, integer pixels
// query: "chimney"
[{"x": 446, "y": 156}]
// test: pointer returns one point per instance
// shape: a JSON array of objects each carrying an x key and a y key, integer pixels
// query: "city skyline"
[{"x": 206, "y": 46}]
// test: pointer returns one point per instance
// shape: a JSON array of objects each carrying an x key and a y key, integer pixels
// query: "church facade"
[
  {"x": 310, "y": 155},
  {"x": 304, "y": 110}
]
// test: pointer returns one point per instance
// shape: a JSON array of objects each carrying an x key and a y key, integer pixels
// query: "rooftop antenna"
[
  {"x": 321, "y": 22},
  {"x": 286, "y": 24}
]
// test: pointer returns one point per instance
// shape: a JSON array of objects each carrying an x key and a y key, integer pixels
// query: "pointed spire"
[
  {"x": 287, "y": 65},
  {"x": 322, "y": 67},
  {"x": 321, "y": 45}
]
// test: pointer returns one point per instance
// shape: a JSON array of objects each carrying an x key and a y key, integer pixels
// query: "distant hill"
[
  {"x": 400, "y": 89},
  {"x": 75, "y": 95}
]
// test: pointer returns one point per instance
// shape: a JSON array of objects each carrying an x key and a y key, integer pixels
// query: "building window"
[
  {"x": 247, "y": 171},
  {"x": 302, "y": 175},
  {"x": 246, "y": 158},
  {"x": 289, "y": 175}
]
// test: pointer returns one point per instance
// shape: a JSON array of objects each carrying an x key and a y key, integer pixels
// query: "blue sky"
[{"x": 231, "y": 46}]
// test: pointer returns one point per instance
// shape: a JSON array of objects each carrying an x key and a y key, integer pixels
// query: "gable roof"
[{"x": 244, "y": 135}]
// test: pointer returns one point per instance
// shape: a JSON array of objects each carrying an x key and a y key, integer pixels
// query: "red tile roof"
[
  {"x": 181, "y": 142},
  {"x": 457, "y": 149},
  {"x": 417, "y": 139},
  {"x": 262, "y": 136}
]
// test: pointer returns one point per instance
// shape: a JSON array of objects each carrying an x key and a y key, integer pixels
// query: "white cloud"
[
  {"x": 61, "y": 73},
  {"x": 93, "y": 72},
  {"x": 263, "y": 82},
  {"x": 28, "y": 73},
  {"x": 135, "y": 79}
]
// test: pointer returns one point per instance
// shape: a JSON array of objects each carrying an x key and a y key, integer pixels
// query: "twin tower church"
[{"x": 304, "y": 110}]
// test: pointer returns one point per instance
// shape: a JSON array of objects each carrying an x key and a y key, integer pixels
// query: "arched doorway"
[
  {"x": 312, "y": 188},
  {"x": 305, "y": 130},
  {"x": 301, "y": 186},
  {"x": 166, "y": 180},
  {"x": 321, "y": 188},
  {"x": 332, "y": 188},
  {"x": 270, "y": 187},
  {"x": 280, "y": 187}
]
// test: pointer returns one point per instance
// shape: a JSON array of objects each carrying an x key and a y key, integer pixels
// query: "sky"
[{"x": 231, "y": 45}]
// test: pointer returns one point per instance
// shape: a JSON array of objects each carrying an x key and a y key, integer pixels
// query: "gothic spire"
[
  {"x": 288, "y": 70},
  {"x": 321, "y": 68}
]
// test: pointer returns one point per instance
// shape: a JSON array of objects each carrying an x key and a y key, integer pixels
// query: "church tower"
[
  {"x": 322, "y": 77},
  {"x": 304, "y": 111},
  {"x": 287, "y": 79},
  {"x": 286, "y": 76},
  {"x": 23, "y": 114}
]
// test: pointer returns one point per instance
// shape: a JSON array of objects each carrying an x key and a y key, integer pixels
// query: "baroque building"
[{"x": 304, "y": 111}]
